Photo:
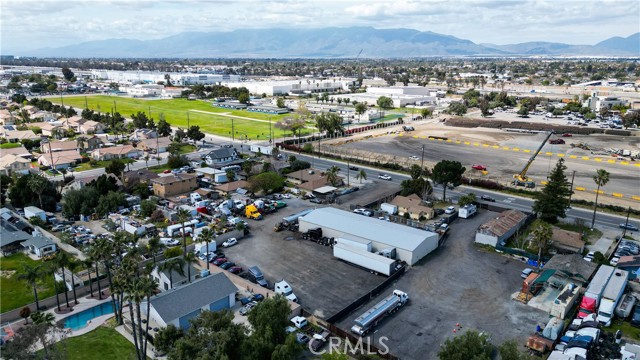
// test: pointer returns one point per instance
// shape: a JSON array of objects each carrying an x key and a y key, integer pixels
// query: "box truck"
[
  {"x": 467, "y": 211},
  {"x": 365, "y": 259},
  {"x": 611, "y": 296},
  {"x": 593, "y": 294}
]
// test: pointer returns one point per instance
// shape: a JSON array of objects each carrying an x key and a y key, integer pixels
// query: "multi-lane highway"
[{"x": 509, "y": 201}]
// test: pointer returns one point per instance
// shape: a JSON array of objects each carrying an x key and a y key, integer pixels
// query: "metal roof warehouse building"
[{"x": 411, "y": 244}]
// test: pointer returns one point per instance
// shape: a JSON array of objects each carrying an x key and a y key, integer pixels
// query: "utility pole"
[
  {"x": 188, "y": 121},
  {"x": 233, "y": 136},
  {"x": 348, "y": 166},
  {"x": 422, "y": 161},
  {"x": 571, "y": 191},
  {"x": 114, "y": 106},
  {"x": 85, "y": 103},
  {"x": 624, "y": 230},
  {"x": 149, "y": 112}
]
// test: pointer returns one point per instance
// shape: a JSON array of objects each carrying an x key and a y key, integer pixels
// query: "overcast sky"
[{"x": 34, "y": 24}]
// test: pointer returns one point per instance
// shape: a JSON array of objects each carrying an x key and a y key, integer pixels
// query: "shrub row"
[{"x": 558, "y": 129}]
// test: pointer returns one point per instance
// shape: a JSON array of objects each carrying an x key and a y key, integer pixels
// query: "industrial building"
[
  {"x": 400, "y": 95},
  {"x": 411, "y": 244},
  {"x": 293, "y": 87}
]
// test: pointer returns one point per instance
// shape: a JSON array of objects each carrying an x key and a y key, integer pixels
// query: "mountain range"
[{"x": 330, "y": 42}]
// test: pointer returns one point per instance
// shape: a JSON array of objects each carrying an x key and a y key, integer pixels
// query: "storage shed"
[{"x": 411, "y": 244}]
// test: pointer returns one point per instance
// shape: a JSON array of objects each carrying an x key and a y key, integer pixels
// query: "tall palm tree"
[
  {"x": 37, "y": 184},
  {"x": 146, "y": 160},
  {"x": 30, "y": 274},
  {"x": 541, "y": 234},
  {"x": 183, "y": 216},
  {"x": 154, "y": 245},
  {"x": 206, "y": 235},
  {"x": 601, "y": 178},
  {"x": 149, "y": 287},
  {"x": 62, "y": 261},
  {"x": 73, "y": 265},
  {"x": 81, "y": 142},
  {"x": 361, "y": 175},
  {"x": 174, "y": 264},
  {"x": 88, "y": 264},
  {"x": 51, "y": 270},
  {"x": 332, "y": 175},
  {"x": 189, "y": 259}
]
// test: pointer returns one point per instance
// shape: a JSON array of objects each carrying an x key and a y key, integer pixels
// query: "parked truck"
[
  {"x": 363, "y": 258},
  {"x": 593, "y": 294},
  {"x": 545, "y": 340},
  {"x": 625, "y": 306},
  {"x": 201, "y": 248},
  {"x": 370, "y": 318},
  {"x": 611, "y": 296},
  {"x": 251, "y": 211},
  {"x": 467, "y": 211}
]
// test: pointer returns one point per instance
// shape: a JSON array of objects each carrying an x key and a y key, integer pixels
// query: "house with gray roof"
[
  {"x": 16, "y": 235},
  {"x": 222, "y": 156},
  {"x": 177, "y": 306},
  {"x": 167, "y": 281},
  {"x": 40, "y": 245}
]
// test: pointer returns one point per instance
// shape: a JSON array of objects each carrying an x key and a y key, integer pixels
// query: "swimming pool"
[{"x": 79, "y": 320}]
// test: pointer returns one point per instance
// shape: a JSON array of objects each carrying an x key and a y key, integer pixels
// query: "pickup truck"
[{"x": 318, "y": 340}]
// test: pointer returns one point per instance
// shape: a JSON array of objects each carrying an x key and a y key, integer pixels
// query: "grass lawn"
[
  {"x": 590, "y": 235},
  {"x": 255, "y": 127},
  {"x": 100, "y": 344},
  {"x": 629, "y": 331},
  {"x": 16, "y": 293},
  {"x": 160, "y": 168},
  {"x": 10, "y": 145},
  {"x": 186, "y": 149},
  {"x": 99, "y": 164}
]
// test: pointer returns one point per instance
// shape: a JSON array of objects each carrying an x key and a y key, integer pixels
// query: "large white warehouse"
[{"x": 411, "y": 244}]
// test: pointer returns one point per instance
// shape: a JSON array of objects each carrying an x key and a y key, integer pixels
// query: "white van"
[{"x": 195, "y": 197}]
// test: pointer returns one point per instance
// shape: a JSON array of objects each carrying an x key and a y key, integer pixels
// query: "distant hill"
[{"x": 331, "y": 42}]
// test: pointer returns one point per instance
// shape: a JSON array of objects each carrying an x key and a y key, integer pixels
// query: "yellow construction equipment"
[{"x": 521, "y": 178}]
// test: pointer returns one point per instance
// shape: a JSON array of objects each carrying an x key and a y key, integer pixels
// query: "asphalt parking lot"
[
  {"x": 322, "y": 283},
  {"x": 458, "y": 283}
]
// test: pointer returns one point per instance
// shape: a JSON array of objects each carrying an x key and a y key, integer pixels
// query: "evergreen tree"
[{"x": 553, "y": 201}]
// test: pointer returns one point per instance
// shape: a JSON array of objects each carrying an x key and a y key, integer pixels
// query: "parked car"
[
  {"x": 302, "y": 338},
  {"x": 230, "y": 242},
  {"x": 166, "y": 171},
  {"x": 220, "y": 261},
  {"x": 363, "y": 211},
  {"x": 245, "y": 309},
  {"x": 487, "y": 198},
  {"x": 413, "y": 157},
  {"x": 235, "y": 269},
  {"x": 214, "y": 257},
  {"x": 567, "y": 135},
  {"x": 227, "y": 265},
  {"x": 479, "y": 167},
  {"x": 315, "y": 200},
  {"x": 354, "y": 168},
  {"x": 589, "y": 256},
  {"x": 384, "y": 177},
  {"x": 450, "y": 210},
  {"x": 526, "y": 272},
  {"x": 629, "y": 226},
  {"x": 257, "y": 297},
  {"x": 438, "y": 211},
  {"x": 635, "y": 318}
]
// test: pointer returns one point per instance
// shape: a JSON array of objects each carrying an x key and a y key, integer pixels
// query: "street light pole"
[
  {"x": 626, "y": 223},
  {"x": 422, "y": 161},
  {"x": 571, "y": 191}
]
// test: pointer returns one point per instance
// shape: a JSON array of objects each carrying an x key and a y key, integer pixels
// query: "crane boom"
[{"x": 522, "y": 176}]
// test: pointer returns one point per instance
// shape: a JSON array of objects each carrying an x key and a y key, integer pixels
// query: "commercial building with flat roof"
[{"x": 411, "y": 244}]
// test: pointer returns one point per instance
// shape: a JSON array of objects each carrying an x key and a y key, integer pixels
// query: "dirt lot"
[
  {"x": 456, "y": 284},
  {"x": 322, "y": 283}
]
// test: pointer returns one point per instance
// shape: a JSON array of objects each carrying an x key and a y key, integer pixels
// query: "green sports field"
[{"x": 212, "y": 120}]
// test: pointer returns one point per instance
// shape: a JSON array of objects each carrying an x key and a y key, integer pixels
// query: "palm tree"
[
  {"x": 361, "y": 175},
  {"x": 154, "y": 245},
  {"x": 43, "y": 318},
  {"x": 51, "y": 270},
  {"x": 542, "y": 234},
  {"x": 88, "y": 264},
  {"x": 206, "y": 235},
  {"x": 73, "y": 265},
  {"x": 183, "y": 216},
  {"x": 62, "y": 261},
  {"x": 332, "y": 175},
  {"x": 31, "y": 274},
  {"x": 81, "y": 141},
  {"x": 146, "y": 160},
  {"x": 174, "y": 264},
  {"x": 189, "y": 259},
  {"x": 601, "y": 179},
  {"x": 37, "y": 184}
]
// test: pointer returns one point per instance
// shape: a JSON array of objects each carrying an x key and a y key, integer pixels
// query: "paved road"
[{"x": 510, "y": 201}]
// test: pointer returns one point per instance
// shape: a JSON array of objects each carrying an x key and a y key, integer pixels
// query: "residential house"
[
  {"x": 155, "y": 145},
  {"x": 211, "y": 174},
  {"x": 50, "y": 129},
  {"x": 231, "y": 187},
  {"x": 19, "y": 135},
  {"x": 14, "y": 164},
  {"x": 18, "y": 151},
  {"x": 167, "y": 281},
  {"x": 6, "y": 117},
  {"x": 631, "y": 264},
  {"x": 115, "y": 152},
  {"x": 311, "y": 179},
  {"x": 91, "y": 127},
  {"x": 14, "y": 233},
  {"x": 564, "y": 241},
  {"x": 413, "y": 206},
  {"x": 60, "y": 159},
  {"x": 79, "y": 183},
  {"x": 54, "y": 146},
  {"x": 572, "y": 265},
  {"x": 139, "y": 176},
  {"x": 93, "y": 143},
  {"x": 40, "y": 245},
  {"x": 210, "y": 293},
  {"x": 143, "y": 134},
  {"x": 171, "y": 185},
  {"x": 73, "y": 123},
  {"x": 222, "y": 156},
  {"x": 498, "y": 230}
]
